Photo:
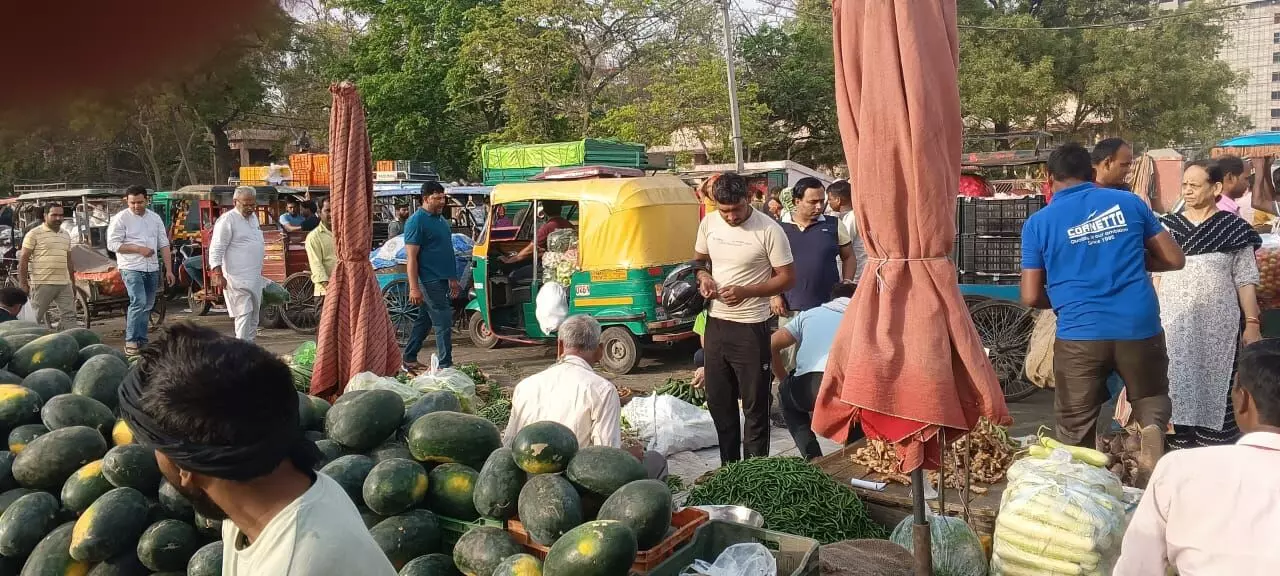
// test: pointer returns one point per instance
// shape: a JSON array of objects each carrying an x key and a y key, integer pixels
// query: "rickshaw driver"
[{"x": 555, "y": 222}]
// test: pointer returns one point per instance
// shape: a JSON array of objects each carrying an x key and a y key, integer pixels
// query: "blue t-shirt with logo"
[{"x": 1091, "y": 243}]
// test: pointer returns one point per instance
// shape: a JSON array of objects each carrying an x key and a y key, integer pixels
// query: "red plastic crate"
[{"x": 685, "y": 522}]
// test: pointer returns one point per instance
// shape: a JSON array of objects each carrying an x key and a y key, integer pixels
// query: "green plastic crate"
[
  {"x": 451, "y": 529},
  {"x": 796, "y": 555}
]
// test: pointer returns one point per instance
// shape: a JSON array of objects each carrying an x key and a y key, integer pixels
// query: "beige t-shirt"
[
  {"x": 319, "y": 534},
  {"x": 50, "y": 250},
  {"x": 743, "y": 255}
]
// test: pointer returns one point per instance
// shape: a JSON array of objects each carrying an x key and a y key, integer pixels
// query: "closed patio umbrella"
[{"x": 355, "y": 333}]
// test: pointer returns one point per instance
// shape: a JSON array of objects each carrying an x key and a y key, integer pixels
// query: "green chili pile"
[
  {"x": 682, "y": 389},
  {"x": 794, "y": 497},
  {"x": 498, "y": 412}
]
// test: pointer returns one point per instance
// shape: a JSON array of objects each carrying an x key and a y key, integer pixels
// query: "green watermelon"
[
  {"x": 48, "y": 382},
  {"x": 391, "y": 449},
  {"x": 434, "y": 401},
  {"x": 7, "y": 377},
  {"x": 329, "y": 451},
  {"x": 173, "y": 504},
  {"x": 483, "y": 548},
  {"x": 134, "y": 466},
  {"x": 644, "y": 506},
  {"x": 365, "y": 421},
  {"x": 208, "y": 527},
  {"x": 84, "y": 487},
  {"x": 18, "y": 406},
  {"x": 24, "y": 434},
  {"x": 309, "y": 418},
  {"x": 498, "y": 486},
  {"x": 27, "y": 521},
  {"x": 100, "y": 377},
  {"x": 544, "y": 447},
  {"x": 49, "y": 460},
  {"x": 407, "y": 536},
  {"x": 430, "y": 565},
  {"x": 207, "y": 561},
  {"x": 370, "y": 518},
  {"x": 73, "y": 410},
  {"x": 450, "y": 491},
  {"x": 602, "y": 470},
  {"x": 549, "y": 507},
  {"x": 52, "y": 556},
  {"x": 7, "y": 482},
  {"x": 20, "y": 325},
  {"x": 110, "y": 526},
  {"x": 597, "y": 548},
  {"x": 349, "y": 472},
  {"x": 453, "y": 437},
  {"x": 125, "y": 564},
  {"x": 20, "y": 339},
  {"x": 84, "y": 336},
  {"x": 395, "y": 485},
  {"x": 8, "y": 497},
  {"x": 168, "y": 545},
  {"x": 52, "y": 351},
  {"x": 97, "y": 349},
  {"x": 519, "y": 565}
]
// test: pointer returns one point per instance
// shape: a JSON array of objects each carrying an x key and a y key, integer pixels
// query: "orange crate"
[
  {"x": 300, "y": 163},
  {"x": 385, "y": 166},
  {"x": 685, "y": 522}
]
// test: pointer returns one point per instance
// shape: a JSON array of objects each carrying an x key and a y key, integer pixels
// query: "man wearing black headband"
[{"x": 222, "y": 416}]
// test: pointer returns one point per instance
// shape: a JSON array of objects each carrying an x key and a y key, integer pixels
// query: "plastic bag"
[
  {"x": 1268, "y": 256},
  {"x": 371, "y": 381},
  {"x": 669, "y": 425},
  {"x": 1039, "y": 362},
  {"x": 304, "y": 356},
  {"x": 28, "y": 313},
  {"x": 274, "y": 294},
  {"x": 749, "y": 559},
  {"x": 552, "y": 307},
  {"x": 956, "y": 550},
  {"x": 449, "y": 379},
  {"x": 562, "y": 240}
]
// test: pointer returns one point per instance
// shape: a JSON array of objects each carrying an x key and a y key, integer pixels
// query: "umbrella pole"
[{"x": 920, "y": 541}]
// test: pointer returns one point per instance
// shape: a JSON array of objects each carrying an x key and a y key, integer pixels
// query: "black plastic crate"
[
  {"x": 989, "y": 254},
  {"x": 989, "y": 279},
  {"x": 995, "y": 216}
]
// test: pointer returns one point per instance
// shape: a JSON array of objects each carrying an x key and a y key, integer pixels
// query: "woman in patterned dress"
[{"x": 1200, "y": 308}]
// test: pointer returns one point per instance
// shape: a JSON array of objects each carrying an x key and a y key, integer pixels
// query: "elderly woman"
[{"x": 1200, "y": 308}]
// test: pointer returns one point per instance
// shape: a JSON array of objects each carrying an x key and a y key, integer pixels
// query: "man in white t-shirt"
[
  {"x": 840, "y": 201},
  {"x": 749, "y": 260},
  {"x": 222, "y": 416}
]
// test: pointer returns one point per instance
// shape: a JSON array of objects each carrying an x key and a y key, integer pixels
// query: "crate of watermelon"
[
  {"x": 1268, "y": 256},
  {"x": 684, "y": 524}
]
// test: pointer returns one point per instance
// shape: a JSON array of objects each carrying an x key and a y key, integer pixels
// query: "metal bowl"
[{"x": 739, "y": 514}]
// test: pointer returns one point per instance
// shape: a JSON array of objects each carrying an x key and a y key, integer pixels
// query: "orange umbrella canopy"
[{"x": 907, "y": 362}]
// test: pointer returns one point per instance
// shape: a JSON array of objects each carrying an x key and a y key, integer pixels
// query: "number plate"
[
  {"x": 582, "y": 290},
  {"x": 608, "y": 275}
]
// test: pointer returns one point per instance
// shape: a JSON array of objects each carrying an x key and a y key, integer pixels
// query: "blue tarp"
[
  {"x": 1255, "y": 139},
  {"x": 462, "y": 246}
]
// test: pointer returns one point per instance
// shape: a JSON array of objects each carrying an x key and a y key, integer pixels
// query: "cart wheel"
[
  {"x": 271, "y": 317},
  {"x": 198, "y": 307},
  {"x": 158, "y": 311},
  {"x": 84, "y": 314},
  {"x": 1005, "y": 328},
  {"x": 481, "y": 335},
  {"x": 971, "y": 300},
  {"x": 621, "y": 350},
  {"x": 403, "y": 313},
  {"x": 302, "y": 313}
]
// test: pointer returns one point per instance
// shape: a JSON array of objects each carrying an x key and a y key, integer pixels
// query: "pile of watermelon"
[{"x": 75, "y": 492}]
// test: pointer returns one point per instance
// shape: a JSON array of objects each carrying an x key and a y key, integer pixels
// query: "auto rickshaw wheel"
[
  {"x": 621, "y": 350},
  {"x": 1005, "y": 328},
  {"x": 198, "y": 307},
  {"x": 302, "y": 313},
  {"x": 481, "y": 335},
  {"x": 158, "y": 311},
  {"x": 403, "y": 313}
]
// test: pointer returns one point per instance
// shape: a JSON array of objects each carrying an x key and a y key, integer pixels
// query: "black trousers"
[
  {"x": 737, "y": 369},
  {"x": 798, "y": 394}
]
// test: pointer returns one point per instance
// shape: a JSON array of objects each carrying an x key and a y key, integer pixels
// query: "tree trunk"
[{"x": 222, "y": 156}]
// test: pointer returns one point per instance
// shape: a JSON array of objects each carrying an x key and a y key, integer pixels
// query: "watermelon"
[
  {"x": 450, "y": 491},
  {"x": 7, "y": 377},
  {"x": 6, "y": 352},
  {"x": 434, "y": 401},
  {"x": 483, "y": 548},
  {"x": 519, "y": 565},
  {"x": 407, "y": 536},
  {"x": 83, "y": 336},
  {"x": 498, "y": 486},
  {"x": 18, "y": 340},
  {"x": 644, "y": 506},
  {"x": 309, "y": 418},
  {"x": 207, "y": 561},
  {"x": 453, "y": 437},
  {"x": 7, "y": 481},
  {"x": 27, "y": 521},
  {"x": 208, "y": 527},
  {"x": 52, "y": 351},
  {"x": 549, "y": 507},
  {"x": 49, "y": 460},
  {"x": 313, "y": 436},
  {"x": 544, "y": 447},
  {"x": 69, "y": 410},
  {"x": 602, "y": 470},
  {"x": 349, "y": 472},
  {"x": 84, "y": 487},
  {"x": 395, "y": 485},
  {"x": 322, "y": 409},
  {"x": 52, "y": 556},
  {"x": 365, "y": 421},
  {"x": 48, "y": 382},
  {"x": 597, "y": 548},
  {"x": 391, "y": 449},
  {"x": 24, "y": 434},
  {"x": 430, "y": 565},
  {"x": 125, "y": 564},
  {"x": 19, "y": 325},
  {"x": 168, "y": 545},
  {"x": 134, "y": 466},
  {"x": 329, "y": 451},
  {"x": 18, "y": 406},
  {"x": 100, "y": 377},
  {"x": 173, "y": 504},
  {"x": 121, "y": 434},
  {"x": 98, "y": 349},
  {"x": 110, "y": 526},
  {"x": 8, "y": 497},
  {"x": 370, "y": 518}
]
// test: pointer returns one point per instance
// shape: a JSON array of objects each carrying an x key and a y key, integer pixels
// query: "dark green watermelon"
[
  {"x": 453, "y": 437},
  {"x": 110, "y": 526},
  {"x": 100, "y": 377},
  {"x": 391, "y": 449},
  {"x": 96, "y": 349},
  {"x": 7, "y": 482},
  {"x": 349, "y": 472},
  {"x": 52, "y": 351},
  {"x": 519, "y": 565},
  {"x": 84, "y": 336},
  {"x": 644, "y": 506},
  {"x": 69, "y": 410},
  {"x": 434, "y": 401},
  {"x": 498, "y": 486},
  {"x": 483, "y": 548},
  {"x": 52, "y": 556},
  {"x": 134, "y": 466},
  {"x": 365, "y": 421},
  {"x": 24, "y": 434},
  {"x": 18, "y": 405},
  {"x": 407, "y": 536},
  {"x": 549, "y": 506},
  {"x": 48, "y": 382},
  {"x": 126, "y": 564},
  {"x": 597, "y": 548},
  {"x": 168, "y": 545},
  {"x": 49, "y": 460},
  {"x": 395, "y": 485},
  {"x": 84, "y": 487},
  {"x": 207, "y": 561},
  {"x": 174, "y": 504},
  {"x": 601, "y": 470},
  {"x": 430, "y": 565},
  {"x": 544, "y": 447},
  {"x": 451, "y": 491},
  {"x": 27, "y": 521}
]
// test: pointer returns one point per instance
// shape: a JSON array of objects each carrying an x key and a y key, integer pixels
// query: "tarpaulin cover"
[
  {"x": 907, "y": 361},
  {"x": 355, "y": 333},
  {"x": 563, "y": 154},
  {"x": 1256, "y": 144}
]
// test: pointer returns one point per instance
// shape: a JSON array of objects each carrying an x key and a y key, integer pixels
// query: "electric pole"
[{"x": 733, "y": 86}]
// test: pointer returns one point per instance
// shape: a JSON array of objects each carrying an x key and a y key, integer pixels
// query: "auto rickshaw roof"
[
  {"x": 396, "y": 190},
  {"x": 71, "y": 194},
  {"x": 206, "y": 191},
  {"x": 616, "y": 193}
]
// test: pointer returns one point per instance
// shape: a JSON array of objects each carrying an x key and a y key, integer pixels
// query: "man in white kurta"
[{"x": 236, "y": 254}]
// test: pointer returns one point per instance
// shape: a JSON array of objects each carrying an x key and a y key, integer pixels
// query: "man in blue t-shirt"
[
  {"x": 433, "y": 277},
  {"x": 1087, "y": 255}
]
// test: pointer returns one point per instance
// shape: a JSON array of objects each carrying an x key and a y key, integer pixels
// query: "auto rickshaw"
[{"x": 631, "y": 233}]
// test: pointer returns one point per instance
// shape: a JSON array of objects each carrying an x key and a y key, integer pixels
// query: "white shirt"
[
  {"x": 1209, "y": 512},
  {"x": 859, "y": 251},
  {"x": 237, "y": 246},
  {"x": 319, "y": 534},
  {"x": 146, "y": 230},
  {"x": 570, "y": 393}
]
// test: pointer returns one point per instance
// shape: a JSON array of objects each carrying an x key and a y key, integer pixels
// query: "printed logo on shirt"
[{"x": 1099, "y": 228}]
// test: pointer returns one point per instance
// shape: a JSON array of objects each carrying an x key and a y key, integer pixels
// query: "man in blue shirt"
[
  {"x": 433, "y": 282},
  {"x": 292, "y": 219},
  {"x": 1087, "y": 255}
]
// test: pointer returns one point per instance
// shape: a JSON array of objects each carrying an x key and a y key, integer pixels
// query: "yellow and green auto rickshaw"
[{"x": 631, "y": 232}]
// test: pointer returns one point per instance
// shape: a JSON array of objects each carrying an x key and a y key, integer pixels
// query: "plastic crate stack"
[{"x": 988, "y": 247}]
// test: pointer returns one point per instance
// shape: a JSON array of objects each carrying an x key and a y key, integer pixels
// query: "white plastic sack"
[
  {"x": 28, "y": 313},
  {"x": 449, "y": 379},
  {"x": 552, "y": 306},
  {"x": 748, "y": 559},
  {"x": 371, "y": 381},
  {"x": 670, "y": 425}
]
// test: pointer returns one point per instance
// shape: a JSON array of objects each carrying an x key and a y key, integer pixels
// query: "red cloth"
[
  {"x": 974, "y": 186},
  {"x": 906, "y": 361},
  {"x": 355, "y": 333}
]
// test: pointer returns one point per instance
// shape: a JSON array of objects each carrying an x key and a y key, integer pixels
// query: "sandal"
[{"x": 131, "y": 349}]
